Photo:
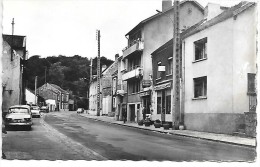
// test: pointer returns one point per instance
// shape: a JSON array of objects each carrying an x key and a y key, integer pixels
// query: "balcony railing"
[
  {"x": 136, "y": 72},
  {"x": 136, "y": 46}
]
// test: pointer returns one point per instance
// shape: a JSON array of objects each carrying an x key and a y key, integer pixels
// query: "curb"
[{"x": 177, "y": 134}]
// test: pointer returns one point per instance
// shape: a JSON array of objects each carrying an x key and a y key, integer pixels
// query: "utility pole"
[
  {"x": 12, "y": 39},
  {"x": 35, "y": 90},
  {"x": 176, "y": 65},
  {"x": 98, "y": 74},
  {"x": 45, "y": 74},
  {"x": 90, "y": 79}
]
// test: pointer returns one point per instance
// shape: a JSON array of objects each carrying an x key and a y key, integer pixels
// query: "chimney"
[
  {"x": 103, "y": 67},
  {"x": 212, "y": 10},
  {"x": 166, "y": 4},
  {"x": 116, "y": 56}
]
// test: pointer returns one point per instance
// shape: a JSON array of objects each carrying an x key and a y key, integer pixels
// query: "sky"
[{"x": 68, "y": 27}]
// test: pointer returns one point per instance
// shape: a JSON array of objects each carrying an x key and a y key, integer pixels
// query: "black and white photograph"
[{"x": 129, "y": 83}]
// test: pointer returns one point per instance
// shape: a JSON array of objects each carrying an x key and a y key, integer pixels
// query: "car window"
[{"x": 18, "y": 110}]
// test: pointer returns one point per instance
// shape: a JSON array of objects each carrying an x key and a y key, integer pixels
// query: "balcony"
[
  {"x": 121, "y": 89},
  {"x": 134, "y": 72},
  {"x": 137, "y": 46}
]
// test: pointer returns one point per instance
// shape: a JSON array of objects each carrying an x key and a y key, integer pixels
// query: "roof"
[
  {"x": 59, "y": 88},
  {"x": 203, "y": 24},
  {"x": 231, "y": 12},
  {"x": 141, "y": 24},
  {"x": 15, "y": 41},
  {"x": 20, "y": 106}
]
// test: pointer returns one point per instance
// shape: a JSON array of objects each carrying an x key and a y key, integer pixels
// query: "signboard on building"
[
  {"x": 145, "y": 93},
  {"x": 146, "y": 83}
]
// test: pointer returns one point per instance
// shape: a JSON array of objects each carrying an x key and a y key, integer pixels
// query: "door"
[
  {"x": 132, "y": 112},
  {"x": 163, "y": 106}
]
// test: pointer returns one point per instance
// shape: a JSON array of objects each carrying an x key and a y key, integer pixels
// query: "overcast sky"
[{"x": 68, "y": 27}]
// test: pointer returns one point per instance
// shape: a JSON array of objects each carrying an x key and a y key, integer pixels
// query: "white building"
[{"x": 219, "y": 57}]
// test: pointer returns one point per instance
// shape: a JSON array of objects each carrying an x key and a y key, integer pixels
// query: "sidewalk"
[{"x": 243, "y": 141}]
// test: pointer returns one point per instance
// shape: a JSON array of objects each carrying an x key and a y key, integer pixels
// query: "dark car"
[
  {"x": 80, "y": 110},
  {"x": 44, "y": 109}
]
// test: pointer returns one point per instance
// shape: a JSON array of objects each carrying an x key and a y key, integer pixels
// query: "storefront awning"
[{"x": 163, "y": 86}]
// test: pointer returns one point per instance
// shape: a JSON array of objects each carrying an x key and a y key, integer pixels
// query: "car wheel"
[
  {"x": 29, "y": 127},
  {"x": 7, "y": 127}
]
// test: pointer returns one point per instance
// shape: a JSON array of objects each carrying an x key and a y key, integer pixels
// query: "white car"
[
  {"x": 19, "y": 115},
  {"x": 36, "y": 111}
]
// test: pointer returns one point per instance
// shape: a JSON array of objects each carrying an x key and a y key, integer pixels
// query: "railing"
[{"x": 132, "y": 43}]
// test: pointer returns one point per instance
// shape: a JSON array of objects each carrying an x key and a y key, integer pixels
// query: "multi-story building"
[
  {"x": 143, "y": 39},
  {"x": 54, "y": 92},
  {"x": 220, "y": 66},
  {"x": 218, "y": 70},
  {"x": 13, "y": 77}
]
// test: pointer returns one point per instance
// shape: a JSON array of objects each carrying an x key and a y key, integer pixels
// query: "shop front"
[{"x": 163, "y": 102}]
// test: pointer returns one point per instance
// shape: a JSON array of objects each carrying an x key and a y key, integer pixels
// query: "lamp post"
[{"x": 176, "y": 61}]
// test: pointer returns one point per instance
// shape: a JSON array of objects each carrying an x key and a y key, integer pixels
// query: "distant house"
[
  {"x": 13, "y": 77},
  {"x": 54, "y": 92},
  {"x": 93, "y": 96},
  {"x": 30, "y": 96}
]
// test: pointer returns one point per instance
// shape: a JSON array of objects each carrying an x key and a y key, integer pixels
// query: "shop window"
[
  {"x": 251, "y": 83},
  {"x": 200, "y": 49},
  {"x": 200, "y": 87},
  {"x": 168, "y": 104},
  {"x": 159, "y": 105}
]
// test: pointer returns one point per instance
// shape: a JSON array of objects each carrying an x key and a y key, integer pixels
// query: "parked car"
[
  {"x": 36, "y": 111},
  {"x": 19, "y": 115},
  {"x": 44, "y": 109},
  {"x": 80, "y": 110}
]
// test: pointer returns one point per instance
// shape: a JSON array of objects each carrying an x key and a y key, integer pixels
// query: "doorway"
[{"x": 132, "y": 112}]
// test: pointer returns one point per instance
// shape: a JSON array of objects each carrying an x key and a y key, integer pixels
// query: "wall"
[
  {"x": 226, "y": 69},
  {"x": 11, "y": 77},
  {"x": 160, "y": 30},
  {"x": 30, "y": 97}
]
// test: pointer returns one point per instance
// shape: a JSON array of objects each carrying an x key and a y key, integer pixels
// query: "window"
[
  {"x": 158, "y": 72},
  {"x": 168, "y": 104},
  {"x": 200, "y": 49},
  {"x": 159, "y": 105},
  {"x": 114, "y": 102},
  {"x": 200, "y": 87},
  {"x": 169, "y": 66},
  {"x": 251, "y": 83},
  {"x": 134, "y": 86}
]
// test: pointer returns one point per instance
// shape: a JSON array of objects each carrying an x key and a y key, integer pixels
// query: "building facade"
[
  {"x": 220, "y": 67},
  {"x": 13, "y": 77},
  {"x": 143, "y": 39},
  {"x": 54, "y": 92}
]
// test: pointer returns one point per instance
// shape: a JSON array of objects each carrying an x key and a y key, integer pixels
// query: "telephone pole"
[
  {"x": 12, "y": 39},
  {"x": 98, "y": 74},
  {"x": 176, "y": 66},
  {"x": 35, "y": 90}
]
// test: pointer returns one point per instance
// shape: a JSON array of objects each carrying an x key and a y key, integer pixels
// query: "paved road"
[
  {"x": 71, "y": 136},
  {"x": 118, "y": 142},
  {"x": 43, "y": 142}
]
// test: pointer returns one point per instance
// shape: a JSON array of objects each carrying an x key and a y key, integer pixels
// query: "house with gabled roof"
[
  {"x": 54, "y": 92},
  {"x": 218, "y": 70}
]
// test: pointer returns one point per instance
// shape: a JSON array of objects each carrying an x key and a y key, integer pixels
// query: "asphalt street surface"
[{"x": 69, "y": 136}]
